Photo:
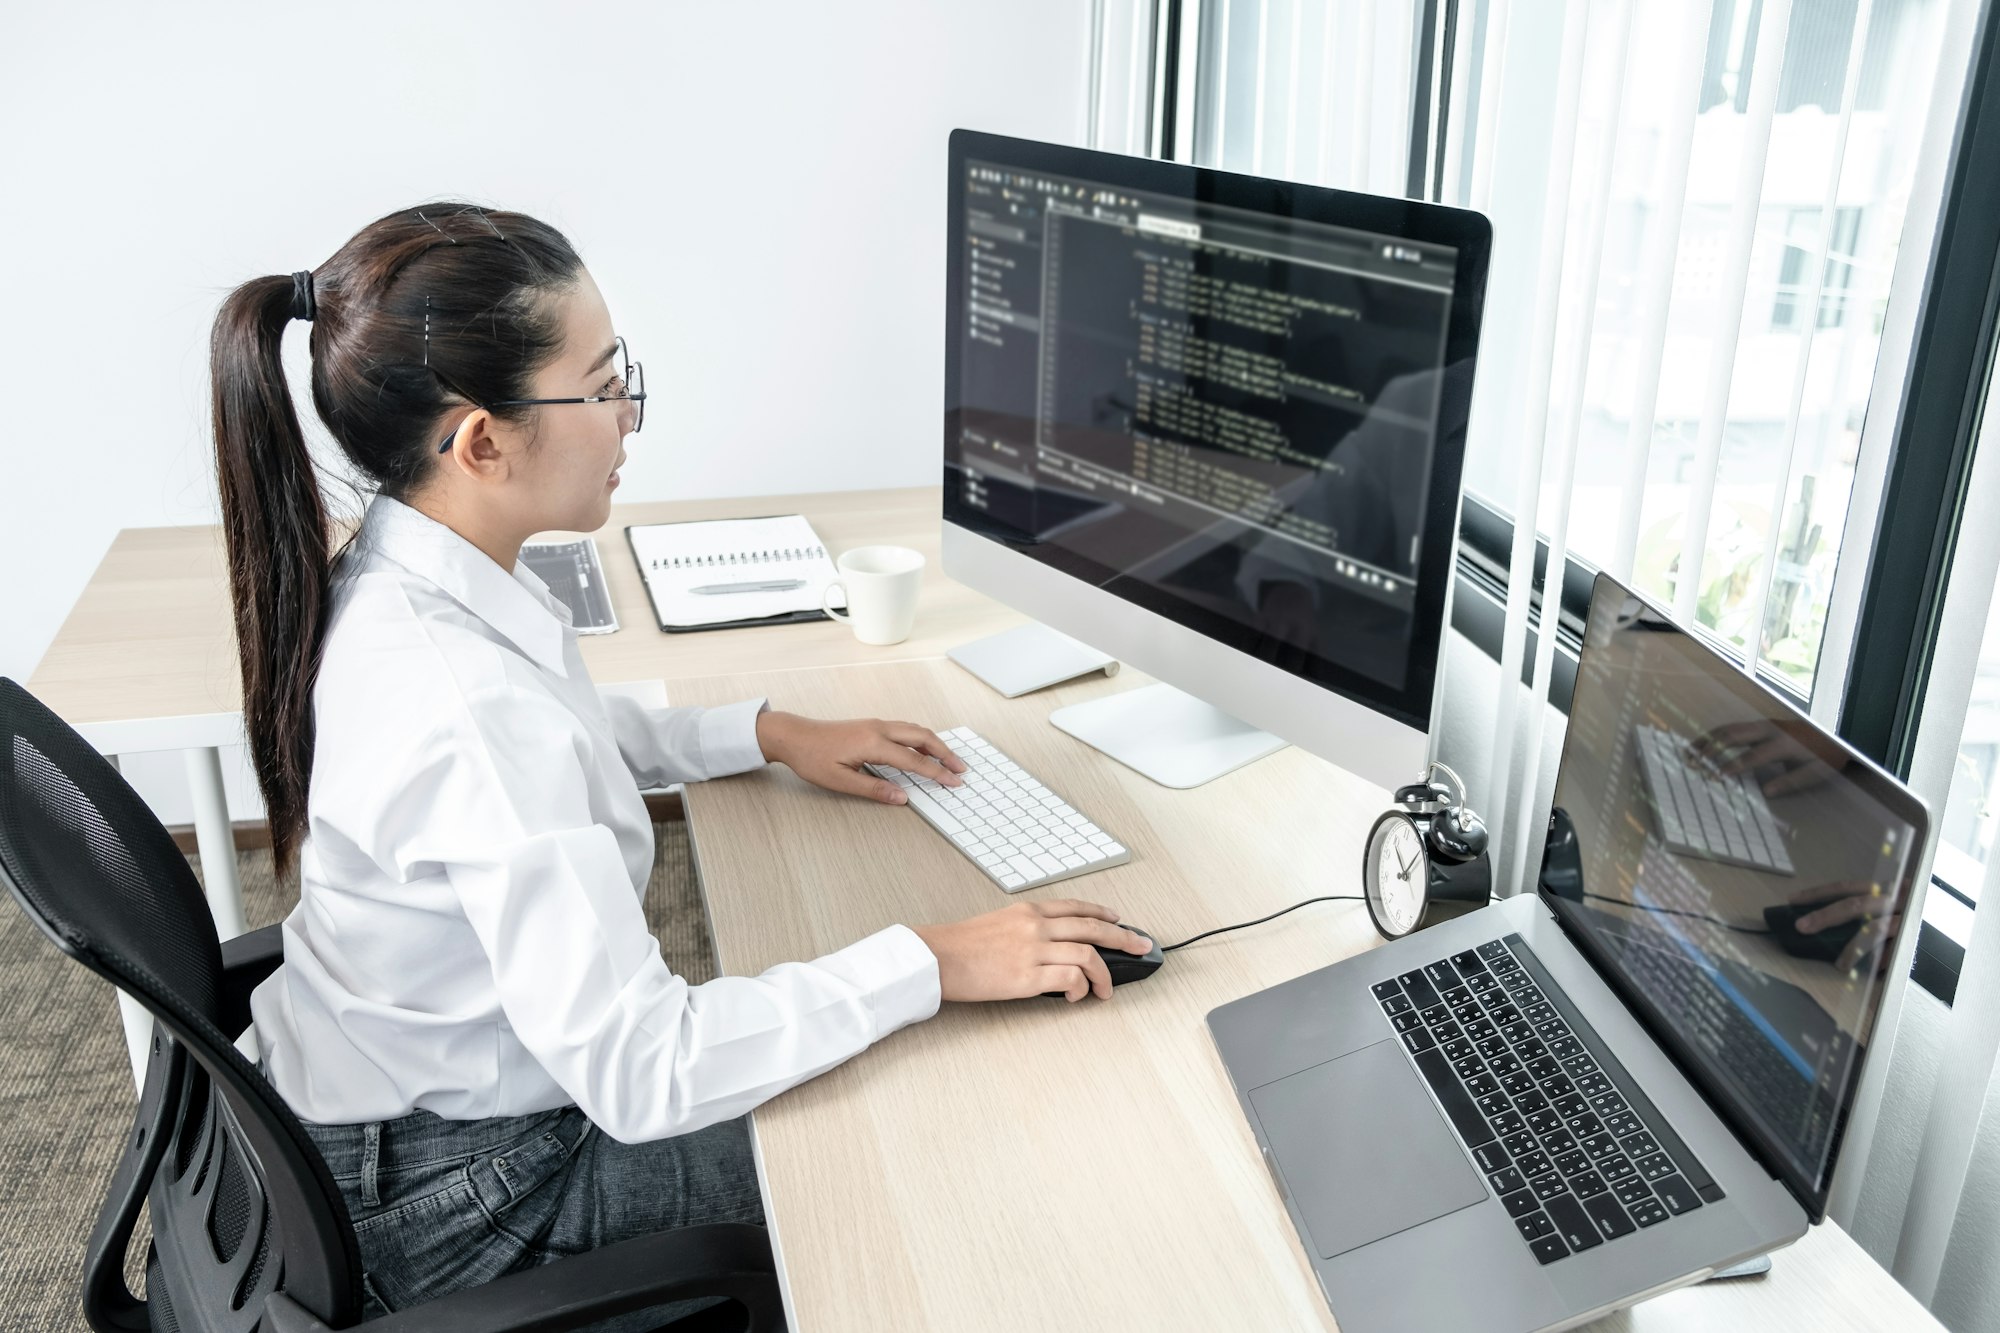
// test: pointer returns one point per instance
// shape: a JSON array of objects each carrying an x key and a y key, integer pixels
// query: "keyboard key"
[
  {"x": 1458, "y": 1107},
  {"x": 1607, "y": 1103},
  {"x": 1441, "y": 974},
  {"x": 1530, "y": 1101},
  {"x": 1456, "y": 1050},
  {"x": 1558, "y": 1085},
  {"x": 1571, "y": 1106},
  {"x": 1573, "y": 1224},
  {"x": 1436, "y": 1014},
  {"x": 1648, "y": 1211},
  {"x": 1504, "y": 1065},
  {"x": 1467, "y": 1067},
  {"x": 1593, "y": 1083},
  {"x": 1600, "y": 1146},
  {"x": 1632, "y": 1193},
  {"x": 1492, "y": 949},
  {"x": 1520, "y": 1203},
  {"x": 1507, "y": 1122},
  {"x": 1585, "y": 1125},
  {"x": 1564, "y": 1047},
  {"x": 1551, "y": 1186},
  {"x": 1545, "y": 1122},
  {"x": 1447, "y": 1031},
  {"x": 1639, "y": 1144},
  {"x": 1519, "y": 1144},
  {"x": 1623, "y": 1125},
  {"x": 1493, "y": 1103},
  {"x": 1549, "y": 1248},
  {"x": 1610, "y": 1218},
  {"x": 1492, "y": 1157},
  {"x": 1468, "y": 962},
  {"x": 1507, "y": 1181},
  {"x": 1482, "y": 983},
  {"x": 1576, "y": 1066},
  {"x": 1518, "y": 1082},
  {"x": 1588, "y": 1184},
  {"x": 1617, "y": 1168},
  {"x": 1535, "y": 1225},
  {"x": 1656, "y": 1168},
  {"x": 1419, "y": 1040},
  {"x": 1418, "y": 987},
  {"x": 1677, "y": 1194},
  {"x": 1530, "y": 1048},
  {"x": 1559, "y": 1141},
  {"x": 1532, "y": 1164},
  {"x": 1573, "y": 1162},
  {"x": 1479, "y": 1085},
  {"x": 1405, "y": 1022},
  {"x": 1545, "y": 1068},
  {"x": 1493, "y": 1047},
  {"x": 1456, "y": 996}
]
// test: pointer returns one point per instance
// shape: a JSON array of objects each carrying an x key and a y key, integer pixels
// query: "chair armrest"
[
  {"x": 246, "y": 961},
  {"x": 730, "y": 1259}
]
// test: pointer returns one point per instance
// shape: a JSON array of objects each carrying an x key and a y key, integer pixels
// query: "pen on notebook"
[{"x": 769, "y": 585}]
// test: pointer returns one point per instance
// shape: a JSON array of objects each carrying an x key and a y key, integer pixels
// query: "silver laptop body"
[{"x": 1714, "y": 1061}]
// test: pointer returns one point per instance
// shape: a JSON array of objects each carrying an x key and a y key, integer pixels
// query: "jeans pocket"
[
  {"x": 432, "y": 1245},
  {"x": 520, "y": 1186}
]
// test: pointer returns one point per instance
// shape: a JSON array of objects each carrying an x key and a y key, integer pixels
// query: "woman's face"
[{"x": 564, "y": 476}]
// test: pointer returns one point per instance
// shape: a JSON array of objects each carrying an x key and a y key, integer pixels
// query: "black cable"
[
  {"x": 1675, "y": 911},
  {"x": 1330, "y": 898}
]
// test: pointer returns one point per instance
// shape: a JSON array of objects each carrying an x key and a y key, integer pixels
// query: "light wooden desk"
[{"x": 1037, "y": 1164}]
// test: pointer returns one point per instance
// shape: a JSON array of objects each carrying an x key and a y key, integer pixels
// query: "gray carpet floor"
[{"x": 66, "y": 1094}]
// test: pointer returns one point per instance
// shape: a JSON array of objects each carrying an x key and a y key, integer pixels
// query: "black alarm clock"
[{"x": 1425, "y": 861}]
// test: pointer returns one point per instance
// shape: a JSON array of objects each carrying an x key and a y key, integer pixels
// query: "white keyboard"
[{"x": 1021, "y": 834}]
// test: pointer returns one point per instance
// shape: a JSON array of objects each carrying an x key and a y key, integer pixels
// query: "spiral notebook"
[{"x": 676, "y": 558}]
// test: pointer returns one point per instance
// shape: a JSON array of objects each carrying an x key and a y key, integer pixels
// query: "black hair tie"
[{"x": 303, "y": 305}]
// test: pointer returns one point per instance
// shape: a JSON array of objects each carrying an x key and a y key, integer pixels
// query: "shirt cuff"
[
  {"x": 729, "y": 738},
  {"x": 897, "y": 971}
]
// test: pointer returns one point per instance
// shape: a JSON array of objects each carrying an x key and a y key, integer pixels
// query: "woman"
[{"x": 472, "y": 1017}]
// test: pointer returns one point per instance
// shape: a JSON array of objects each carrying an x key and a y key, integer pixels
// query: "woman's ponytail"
[
  {"x": 419, "y": 314},
  {"x": 275, "y": 523}
]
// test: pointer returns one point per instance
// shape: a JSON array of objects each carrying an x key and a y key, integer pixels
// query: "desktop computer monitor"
[{"x": 1212, "y": 425}]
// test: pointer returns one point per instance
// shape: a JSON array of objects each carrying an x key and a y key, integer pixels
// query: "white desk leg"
[
  {"x": 138, "y": 1035},
  {"x": 215, "y": 841}
]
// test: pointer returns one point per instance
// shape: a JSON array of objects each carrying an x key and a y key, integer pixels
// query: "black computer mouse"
[
  {"x": 1123, "y": 966},
  {"x": 1821, "y": 945}
]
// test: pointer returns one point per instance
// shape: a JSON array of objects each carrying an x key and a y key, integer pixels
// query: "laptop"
[{"x": 1635, "y": 1077}]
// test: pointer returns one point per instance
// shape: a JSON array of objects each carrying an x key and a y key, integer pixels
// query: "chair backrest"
[{"x": 242, "y": 1203}]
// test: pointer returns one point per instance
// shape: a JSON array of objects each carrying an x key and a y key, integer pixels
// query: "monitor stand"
[{"x": 1172, "y": 737}]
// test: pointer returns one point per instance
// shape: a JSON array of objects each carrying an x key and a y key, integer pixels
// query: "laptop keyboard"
[{"x": 1568, "y": 1143}]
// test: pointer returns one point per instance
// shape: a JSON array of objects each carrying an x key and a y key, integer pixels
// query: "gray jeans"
[{"x": 439, "y": 1205}]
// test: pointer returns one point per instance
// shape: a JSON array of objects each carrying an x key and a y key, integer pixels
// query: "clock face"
[{"x": 1396, "y": 875}]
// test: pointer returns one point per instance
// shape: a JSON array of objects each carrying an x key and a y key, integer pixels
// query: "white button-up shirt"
[{"x": 469, "y": 937}]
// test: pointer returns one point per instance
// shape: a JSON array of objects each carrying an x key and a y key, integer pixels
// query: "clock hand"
[{"x": 1400, "y": 861}]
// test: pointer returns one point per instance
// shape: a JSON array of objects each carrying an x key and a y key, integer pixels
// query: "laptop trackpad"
[{"x": 1362, "y": 1148}]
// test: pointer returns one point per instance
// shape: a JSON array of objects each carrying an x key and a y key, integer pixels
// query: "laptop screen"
[{"x": 1736, "y": 872}]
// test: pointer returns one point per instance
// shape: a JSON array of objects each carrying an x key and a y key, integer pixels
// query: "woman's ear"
[{"x": 478, "y": 450}]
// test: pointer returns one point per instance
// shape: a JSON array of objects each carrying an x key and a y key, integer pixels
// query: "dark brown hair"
[{"x": 420, "y": 312}]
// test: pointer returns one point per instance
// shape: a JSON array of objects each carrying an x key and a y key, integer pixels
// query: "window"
[{"x": 1715, "y": 424}]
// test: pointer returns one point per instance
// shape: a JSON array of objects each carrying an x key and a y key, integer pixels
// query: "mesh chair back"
[{"x": 241, "y": 1202}]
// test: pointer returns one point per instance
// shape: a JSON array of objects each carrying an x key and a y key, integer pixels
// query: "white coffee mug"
[{"x": 879, "y": 586}]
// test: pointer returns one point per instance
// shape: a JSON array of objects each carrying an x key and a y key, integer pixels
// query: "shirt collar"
[{"x": 518, "y": 605}]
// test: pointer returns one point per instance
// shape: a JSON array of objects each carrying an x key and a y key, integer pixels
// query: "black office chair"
[{"x": 249, "y": 1230}]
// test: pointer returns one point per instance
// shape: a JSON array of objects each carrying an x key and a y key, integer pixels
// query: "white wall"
[{"x": 759, "y": 188}]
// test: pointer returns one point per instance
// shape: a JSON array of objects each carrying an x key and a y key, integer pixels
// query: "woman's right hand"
[{"x": 1029, "y": 948}]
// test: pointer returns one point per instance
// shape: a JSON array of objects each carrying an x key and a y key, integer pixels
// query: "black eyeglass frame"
[{"x": 634, "y": 375}]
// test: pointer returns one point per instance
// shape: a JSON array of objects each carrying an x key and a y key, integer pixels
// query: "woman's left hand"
[{"x": 830, "y": 754}]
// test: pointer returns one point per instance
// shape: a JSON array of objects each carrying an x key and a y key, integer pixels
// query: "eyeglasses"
[{"x": 630, "y": 386}]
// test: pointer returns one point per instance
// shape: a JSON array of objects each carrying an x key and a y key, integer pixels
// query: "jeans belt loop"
[{"x": 371, "y": 1156}]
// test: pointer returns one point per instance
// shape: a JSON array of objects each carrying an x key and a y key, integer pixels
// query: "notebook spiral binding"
[{"x": 739, "y": 559}]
